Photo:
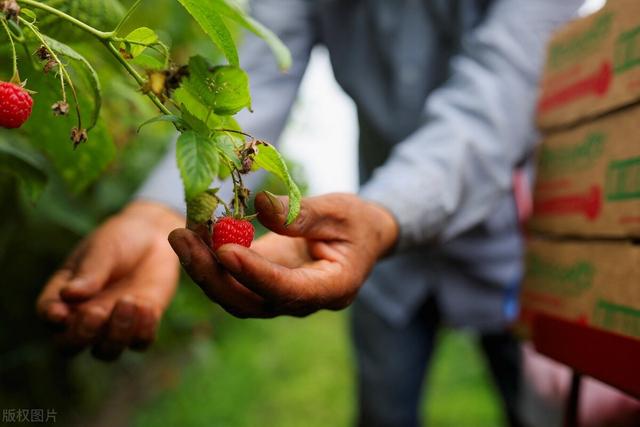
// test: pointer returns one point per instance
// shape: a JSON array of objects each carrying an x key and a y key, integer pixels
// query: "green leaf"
[
  {"x": 138, "y": 40},
  {"x": 269, "y": 159},
  {"x": 231, "y": 90},
  {"x": 198, "y": 162},
  {"x": 196, "y": 108},
  {"x": 163, "y": 118},
  {"x": 194, "y": 122},
  {"x": 235, "y": 13},
  {"x": 31, "y": 177},
  {"x": 227, "y": 144},
  {"x": 223, "y": 90},
  {"x": 148, "y": 62},
  {"x": 90, "y": 73},
  {"x": 199, "y": 84},
  {"x": 204, "y": 12}
]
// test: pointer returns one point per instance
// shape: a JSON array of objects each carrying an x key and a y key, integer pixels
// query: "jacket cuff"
[{"x": 417, "y": 210}]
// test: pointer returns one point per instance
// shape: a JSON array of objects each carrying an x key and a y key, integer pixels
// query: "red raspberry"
[
  {"x": 231, "y": 230},
  {"x": 15, "y": 105}
]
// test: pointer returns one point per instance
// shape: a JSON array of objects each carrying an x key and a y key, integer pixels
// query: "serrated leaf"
[
  {"x": 269, "y": 159},
  {"x": 235, "y": 13},
  {"x": 198, "y": 162},
  {"x": 227, "y": 143},
  {"x": 90, "y": 73},
  {"x": 138, "y": 40},
  {"x": 230, "y": 90},
  {"x": 199, "y": 83},
  {"x": 163, "y": 118},
  {"x": 192, "y": 104},
  {"x": 203, "y": 11},
  {"x": 32, "y": 179},
  {"x": 194, "y": 122},
  {"x": 223, "y": 90}
]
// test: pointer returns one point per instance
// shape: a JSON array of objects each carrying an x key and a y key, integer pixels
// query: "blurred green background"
[{"x": 207, "y": 368}]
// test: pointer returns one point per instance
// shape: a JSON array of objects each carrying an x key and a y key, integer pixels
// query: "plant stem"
[
  {"x": 16, "y": 75},
  {"x": 236, "y": 131},
  {"x": 88, "y": 28},
  {"x": 137, "y": 77},
  {"x": 127, "y": 16}
]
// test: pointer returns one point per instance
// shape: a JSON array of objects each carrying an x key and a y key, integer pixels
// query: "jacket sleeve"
[
  {"x": 450, "y": 174},
  {"x": 273, "y": 92}
]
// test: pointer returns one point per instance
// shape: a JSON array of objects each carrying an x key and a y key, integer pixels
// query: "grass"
[{"x": 289, "y": 372}]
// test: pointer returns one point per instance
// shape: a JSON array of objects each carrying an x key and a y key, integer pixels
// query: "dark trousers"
[{"x": 392, "y": 363}]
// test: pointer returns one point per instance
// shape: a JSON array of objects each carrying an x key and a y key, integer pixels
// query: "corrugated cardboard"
[
  {"x": 592, "y": 283},
  {"x": 588, "y": 181},
  {"x": 593, "y": 66}
]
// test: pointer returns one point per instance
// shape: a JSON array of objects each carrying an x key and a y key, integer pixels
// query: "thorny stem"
[{"x": 16, "y": 75}]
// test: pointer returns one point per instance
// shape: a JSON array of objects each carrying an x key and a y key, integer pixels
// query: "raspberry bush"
[{"x": 197, "y": 96}]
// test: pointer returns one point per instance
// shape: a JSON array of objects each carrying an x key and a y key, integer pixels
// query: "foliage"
[{"x": 199, "y": 98}]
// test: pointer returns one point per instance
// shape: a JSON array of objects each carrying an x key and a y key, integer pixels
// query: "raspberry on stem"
[
  {"x": 15, "y": 105},
  {"x": 231, "y": 230}
]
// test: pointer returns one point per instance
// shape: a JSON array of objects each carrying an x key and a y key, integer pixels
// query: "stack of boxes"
[{"x": 583, "y": 258}]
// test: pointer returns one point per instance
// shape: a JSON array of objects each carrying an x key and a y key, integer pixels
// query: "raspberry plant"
[{"x": 199, "y": 98}]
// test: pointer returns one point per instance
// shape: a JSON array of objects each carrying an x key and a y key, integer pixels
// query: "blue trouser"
[{"x": 392, "y": 362}]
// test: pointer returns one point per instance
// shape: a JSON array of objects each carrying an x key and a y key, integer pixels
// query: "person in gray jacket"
[{"x": 445, "y": 93}]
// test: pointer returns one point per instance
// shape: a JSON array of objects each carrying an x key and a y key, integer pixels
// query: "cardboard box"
[
  {"x": 588, "y": 182},
  {"x": 593, "y": 66},
  {"x": 593, "y": 283}
]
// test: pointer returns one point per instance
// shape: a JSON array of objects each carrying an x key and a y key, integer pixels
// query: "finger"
[
  {"x": 87, "y": 325},
  {"x": 119, "y": 331},
  {"x": 317, "y": 285},
  {"x": 199, "y": 262},
  {"x": 49, "y": 306},
  {"x": 92, "y": 265},
  {"x": 151, "y": 286},
  {"x": 146, "y": 326},
  {"x": 320, "y": 218}
]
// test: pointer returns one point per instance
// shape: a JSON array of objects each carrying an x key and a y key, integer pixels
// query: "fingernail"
[
  {"x": 276, "y": 203},
  {"x": 229, "y": 260},
  {"x": 182, "y": 249}
]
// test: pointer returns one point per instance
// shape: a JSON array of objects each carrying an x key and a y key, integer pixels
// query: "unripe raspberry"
[{"x": 15, "y": 105}]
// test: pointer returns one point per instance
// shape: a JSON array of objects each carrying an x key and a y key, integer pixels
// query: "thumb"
[{"x": 320, "y": 218}]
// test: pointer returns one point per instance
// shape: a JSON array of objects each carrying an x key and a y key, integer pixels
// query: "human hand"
[
  {"x": 318, "y": 262},
  {"x": 113, "y": 289}
]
